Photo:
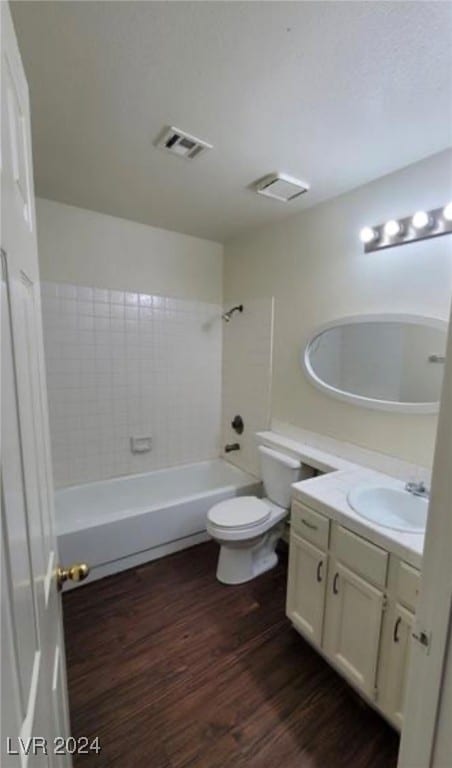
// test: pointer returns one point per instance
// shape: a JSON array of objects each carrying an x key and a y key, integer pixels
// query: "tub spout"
[{"x": 232, "y": 447}]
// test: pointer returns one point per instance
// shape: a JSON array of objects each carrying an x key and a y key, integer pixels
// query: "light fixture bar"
[{"x": 408, "y": 230}]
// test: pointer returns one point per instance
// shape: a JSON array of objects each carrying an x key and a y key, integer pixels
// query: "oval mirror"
[{"x": 389, "y": 362}]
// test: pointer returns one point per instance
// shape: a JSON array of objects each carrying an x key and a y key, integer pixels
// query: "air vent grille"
[
  {"x": 181, "y": 143},
  {"x": 281, "y": 187}
]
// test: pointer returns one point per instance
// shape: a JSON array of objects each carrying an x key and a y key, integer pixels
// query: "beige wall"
[
  {"x": 313, "y": 264},
  {"x": 87, "y": 248},
  {"x": 247, "y": 377}
]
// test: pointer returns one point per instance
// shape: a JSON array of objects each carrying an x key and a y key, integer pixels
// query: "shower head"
[{"x": 227, "y": 315}]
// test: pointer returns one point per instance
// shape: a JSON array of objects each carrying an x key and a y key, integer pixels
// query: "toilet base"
[{"x": 240, "y": 562}]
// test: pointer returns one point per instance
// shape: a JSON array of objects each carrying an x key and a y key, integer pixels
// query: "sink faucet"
[{"x": 417, "y": 489}]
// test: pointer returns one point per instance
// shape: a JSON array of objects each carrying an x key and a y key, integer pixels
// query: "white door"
[
  {"x": 351, "y": 635},
  {"x": 398, "y": 652},
  {"x": 34, "y": 693},
  {"x": 306, "y": 587},
  {"x": 427, "y": 734}
]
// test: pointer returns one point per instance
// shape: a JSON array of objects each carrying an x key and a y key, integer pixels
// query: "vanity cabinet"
[
  {"x": 355, "y": 602},
  {"x": 308, "y": 569},
  {"x": 306, "y": 587},
  {"x": 403, "y": 591},
  {"x": 353, "y": 615},
  {"x": 395, "y": 656}
]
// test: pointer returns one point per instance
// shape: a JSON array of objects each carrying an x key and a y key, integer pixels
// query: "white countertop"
[
  {"x": 313, "y": 457},
  {"x": 328, "y": 494}
]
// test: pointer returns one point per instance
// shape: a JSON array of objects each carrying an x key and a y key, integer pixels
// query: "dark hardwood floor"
[{"x": 171, "y": 669}]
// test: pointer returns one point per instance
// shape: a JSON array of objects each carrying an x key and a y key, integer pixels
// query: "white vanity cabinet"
[
  {"x": 354, "y": 606},
  {"x": 353, "y": 615},
  {"x": 355, "y": 602},
  {"x": 306, "y": 587},
  {"x": 308, "y": 562},
  {"x": 403, "y": 591},
  {"x": 396, "y": 656}
]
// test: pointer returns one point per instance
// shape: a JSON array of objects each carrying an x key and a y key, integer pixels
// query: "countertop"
[{"x": 328, "y": 494}]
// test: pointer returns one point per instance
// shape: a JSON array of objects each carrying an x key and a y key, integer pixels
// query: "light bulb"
[
  {"x": 447, "y": 212},
  {"x": 367, "y": 235},
  {"x": 393, "y": 228},
  {"x": 421, "y": 220}
]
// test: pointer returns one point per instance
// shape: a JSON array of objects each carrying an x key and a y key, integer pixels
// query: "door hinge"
[
  {"x": 422, "y": 636},
  {"x": 384, "y": 604}
]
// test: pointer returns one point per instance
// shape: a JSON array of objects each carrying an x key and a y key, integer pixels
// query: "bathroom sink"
[{"x": 390, "y": 507}]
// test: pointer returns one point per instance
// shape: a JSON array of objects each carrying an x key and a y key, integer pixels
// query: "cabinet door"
[
  {"x": 352, "y": 626},
  {"x": 397, "y": 652},
  {"x": 306, "y": 587}
]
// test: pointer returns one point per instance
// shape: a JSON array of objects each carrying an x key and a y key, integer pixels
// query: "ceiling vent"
[
  {"x": 281, "y": 187},
  {"x": 182, "y": 144}
]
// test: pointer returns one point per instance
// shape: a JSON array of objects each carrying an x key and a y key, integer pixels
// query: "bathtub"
[{"x": 117, "y": 524}]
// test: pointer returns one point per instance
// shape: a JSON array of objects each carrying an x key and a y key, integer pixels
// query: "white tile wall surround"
[{"x": 121, "y": 364}]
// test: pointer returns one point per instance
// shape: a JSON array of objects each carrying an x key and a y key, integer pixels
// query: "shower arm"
[{"x": 227, "y": 315}]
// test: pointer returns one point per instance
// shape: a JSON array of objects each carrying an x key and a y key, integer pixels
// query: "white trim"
[{"x": 368, "y": 402}]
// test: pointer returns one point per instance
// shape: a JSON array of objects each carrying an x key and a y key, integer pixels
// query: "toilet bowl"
[{"x": 248, "y": 528}]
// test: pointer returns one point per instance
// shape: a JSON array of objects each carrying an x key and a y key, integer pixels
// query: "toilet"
[{"x": 247, "y": 528}]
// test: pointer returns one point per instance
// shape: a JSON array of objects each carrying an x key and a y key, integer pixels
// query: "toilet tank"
[{"x": 279, "y": 471}]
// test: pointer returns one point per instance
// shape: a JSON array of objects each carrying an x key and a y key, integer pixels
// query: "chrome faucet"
[{"x": 417, "y": 489}]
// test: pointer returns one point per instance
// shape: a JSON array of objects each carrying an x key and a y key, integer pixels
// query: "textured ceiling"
[{"x": 335, "y": 93}]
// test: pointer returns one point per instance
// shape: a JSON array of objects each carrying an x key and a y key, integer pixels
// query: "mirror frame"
[{"x": 368, "y": 402}]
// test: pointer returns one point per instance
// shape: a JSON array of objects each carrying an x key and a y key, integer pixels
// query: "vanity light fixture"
[
  {"x": 421, "y": 220},
  {"x": 419, "y": 226},
  {"x": 393, "y": 228},
  {"x": 368, "y": 235}
]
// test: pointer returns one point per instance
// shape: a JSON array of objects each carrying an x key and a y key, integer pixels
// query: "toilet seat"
[{"x": 239, "y": 513}]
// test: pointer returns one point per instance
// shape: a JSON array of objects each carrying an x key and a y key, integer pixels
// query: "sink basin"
[{"x": 390, "y": 507}]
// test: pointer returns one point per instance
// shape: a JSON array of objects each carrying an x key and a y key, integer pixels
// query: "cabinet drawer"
[
  {"x": 360, "y": 555},
  {"x": 311, "y": 525},
  {"x": 408, "y": 582}
]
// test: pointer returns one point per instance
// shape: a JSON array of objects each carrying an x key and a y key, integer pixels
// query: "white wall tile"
[{"x": 123, "y": 363}]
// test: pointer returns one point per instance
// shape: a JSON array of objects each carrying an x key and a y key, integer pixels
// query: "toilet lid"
[{"x": 240, "y": 512}]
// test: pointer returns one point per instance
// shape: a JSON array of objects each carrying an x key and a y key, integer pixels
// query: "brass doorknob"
[{"x": 76, "y": 572}]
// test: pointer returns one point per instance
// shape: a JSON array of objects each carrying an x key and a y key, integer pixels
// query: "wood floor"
[{"x": 173, "y": 670}]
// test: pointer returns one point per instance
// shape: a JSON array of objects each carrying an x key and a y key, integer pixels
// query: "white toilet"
[{"x": 248, "y": 528}]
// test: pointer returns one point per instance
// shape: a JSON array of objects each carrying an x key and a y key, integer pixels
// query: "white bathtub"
[{"x": 117, "y": 524}]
